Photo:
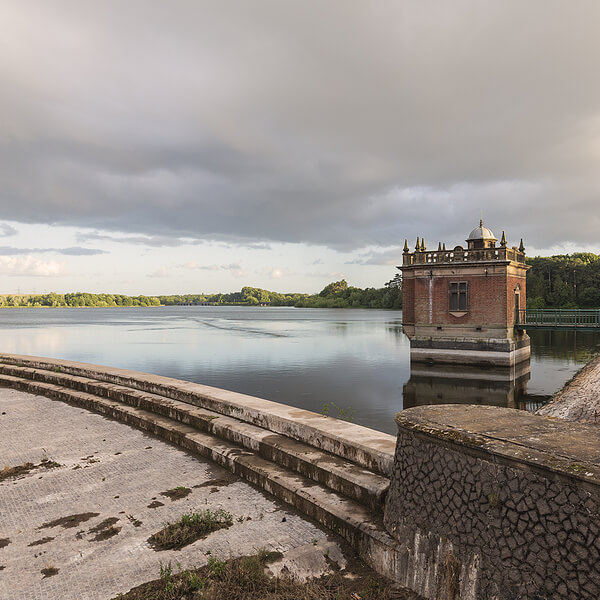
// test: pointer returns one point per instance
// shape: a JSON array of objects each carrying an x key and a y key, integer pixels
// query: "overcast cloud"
[
  {"x": 344, "y": 124},
  {"x": 6, "y": 230},
  {"x": 72, "y": 251}
]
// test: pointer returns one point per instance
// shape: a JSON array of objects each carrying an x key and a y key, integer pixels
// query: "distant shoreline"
[
  {"x": 337, "y": 294},
  {"x": 224, "y": 305}
]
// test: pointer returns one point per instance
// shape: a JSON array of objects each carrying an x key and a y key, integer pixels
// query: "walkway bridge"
[{"x": 559, "y": 318}]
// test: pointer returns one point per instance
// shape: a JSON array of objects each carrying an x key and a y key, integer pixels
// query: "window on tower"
[{"x": 458, "y": 296}]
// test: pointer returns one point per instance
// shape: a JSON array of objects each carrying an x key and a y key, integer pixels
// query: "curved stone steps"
[
  {"x": 336, "y": 473},
  {"x": 365, "y": 447},
  {"x": 346, "y": 517}
]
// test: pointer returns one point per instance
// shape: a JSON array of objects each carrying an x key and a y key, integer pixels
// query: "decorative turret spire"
[
  {"x": 406, "y": 248},
  {"x": 439, "y": 246},
  {"x": 521, "y": 246},
  {"x": 444, "y": 247},
  {"x": 418, "y": 246},
  {"x": 480, "y": 222},
  {"x": 423, "y": 246},
  {"x": 503, "y": 240}
]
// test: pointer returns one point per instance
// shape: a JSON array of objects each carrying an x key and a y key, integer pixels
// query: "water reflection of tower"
[{"x": 451, "y": 384}]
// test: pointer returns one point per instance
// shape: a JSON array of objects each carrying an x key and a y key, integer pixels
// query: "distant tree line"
[
  {"x": 340, "y": 295},
  {"x": 248, "y": 296},
  {"x": 564, "y": 281},
  {"x": 77, "y": 299},
  {"x": 561, "y": 281},
  {"x": 337, "y": 294}
]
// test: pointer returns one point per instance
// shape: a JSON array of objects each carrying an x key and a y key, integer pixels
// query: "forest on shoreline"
[
  {"x": 564, "y": 281},
  {"x": 337, "y": 294},
  {"x": 561, "y": 281}
]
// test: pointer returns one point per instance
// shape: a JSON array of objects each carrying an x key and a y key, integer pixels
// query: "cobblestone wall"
[{"x": 474, "y": 524}]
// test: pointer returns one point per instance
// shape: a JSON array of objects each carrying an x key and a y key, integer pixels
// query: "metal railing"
[{"x": 558, "y": 318}]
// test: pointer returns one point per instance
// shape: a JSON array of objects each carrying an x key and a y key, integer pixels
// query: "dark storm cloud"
[
  {"x": 73, "y": 251},
  {"x": 342, "y": 123}
]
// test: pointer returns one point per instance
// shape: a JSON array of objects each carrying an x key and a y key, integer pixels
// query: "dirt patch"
[
  {"x": 4, "y": 542},
  {"x": 49, "y": 571},
  {"x": 177, "y": 493},
  {"x": 105, "y": 529},
  {"x": 215, "y": 483},
  {"x": 155, "y": 504},
  {"x": 135, "y": 522},
  {"x": 245, "y": 578},
  {"x": 44, "y": 540},
  {"x": 103, "y": 525},
  {"x": 190, "y": 527},
  {"x": 69, "y": 521},
  {"x": 11, "y": 472},
  {"x": 105, "y": 534}
]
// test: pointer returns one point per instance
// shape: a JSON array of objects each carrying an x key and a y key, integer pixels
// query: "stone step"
[
  {"x": 366, "y": 447},
  {"x": 349, "y": 519},
  {"x": 332, "y": 471}
]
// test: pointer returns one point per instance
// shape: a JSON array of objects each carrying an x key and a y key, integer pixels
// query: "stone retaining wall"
[{"x": 495, "y": 504}]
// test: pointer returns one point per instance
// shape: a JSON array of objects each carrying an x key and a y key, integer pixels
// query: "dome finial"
[{"x": 481, "y": 233}]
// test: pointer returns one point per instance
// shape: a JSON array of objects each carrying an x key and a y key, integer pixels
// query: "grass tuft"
[
  {"x": 190, "y": 527},
  {"x": 245, "y": 578}
]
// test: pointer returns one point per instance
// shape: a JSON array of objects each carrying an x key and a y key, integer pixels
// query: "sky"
[{"x": 200, "y": 146}]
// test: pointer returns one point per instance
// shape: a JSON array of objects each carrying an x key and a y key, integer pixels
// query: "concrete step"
[
  {"x": 337, "y": 473},
  {"x": 366, "y": 447},
  {"x": 348, "y": 518}
]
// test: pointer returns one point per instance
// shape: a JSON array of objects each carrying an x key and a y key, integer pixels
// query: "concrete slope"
[
  {"x": 343, "y": 496},
  {"x": 366, "y": 447},
  {"x": 334, "y": 472}
]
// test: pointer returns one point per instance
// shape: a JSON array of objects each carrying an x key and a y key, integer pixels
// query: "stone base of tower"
[{"x": 476, "y": 351}]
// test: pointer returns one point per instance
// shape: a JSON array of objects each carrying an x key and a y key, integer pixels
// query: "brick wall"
[
  {"x": 408, "y": 301},
  {"x": 490, "y": 296},
  {"x": 487, "y": 300}
]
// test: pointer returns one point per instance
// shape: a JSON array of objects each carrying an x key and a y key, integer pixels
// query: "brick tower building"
[{"x": 460, "y": 305}]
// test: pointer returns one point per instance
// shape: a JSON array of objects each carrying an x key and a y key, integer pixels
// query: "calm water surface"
[{"x": 302, "y": 357}]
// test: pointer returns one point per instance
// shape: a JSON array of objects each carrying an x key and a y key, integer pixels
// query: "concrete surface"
[
  {"x": 366, "y": 447},
  {"x": 116, "y": 471},
  {"x": 579, "y": 400}
]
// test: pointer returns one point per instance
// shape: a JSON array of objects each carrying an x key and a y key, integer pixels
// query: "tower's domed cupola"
[{"x": 481, "y": 237}]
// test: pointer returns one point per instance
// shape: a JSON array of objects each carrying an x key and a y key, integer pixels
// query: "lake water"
[{"x": 318, "y": 359}]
